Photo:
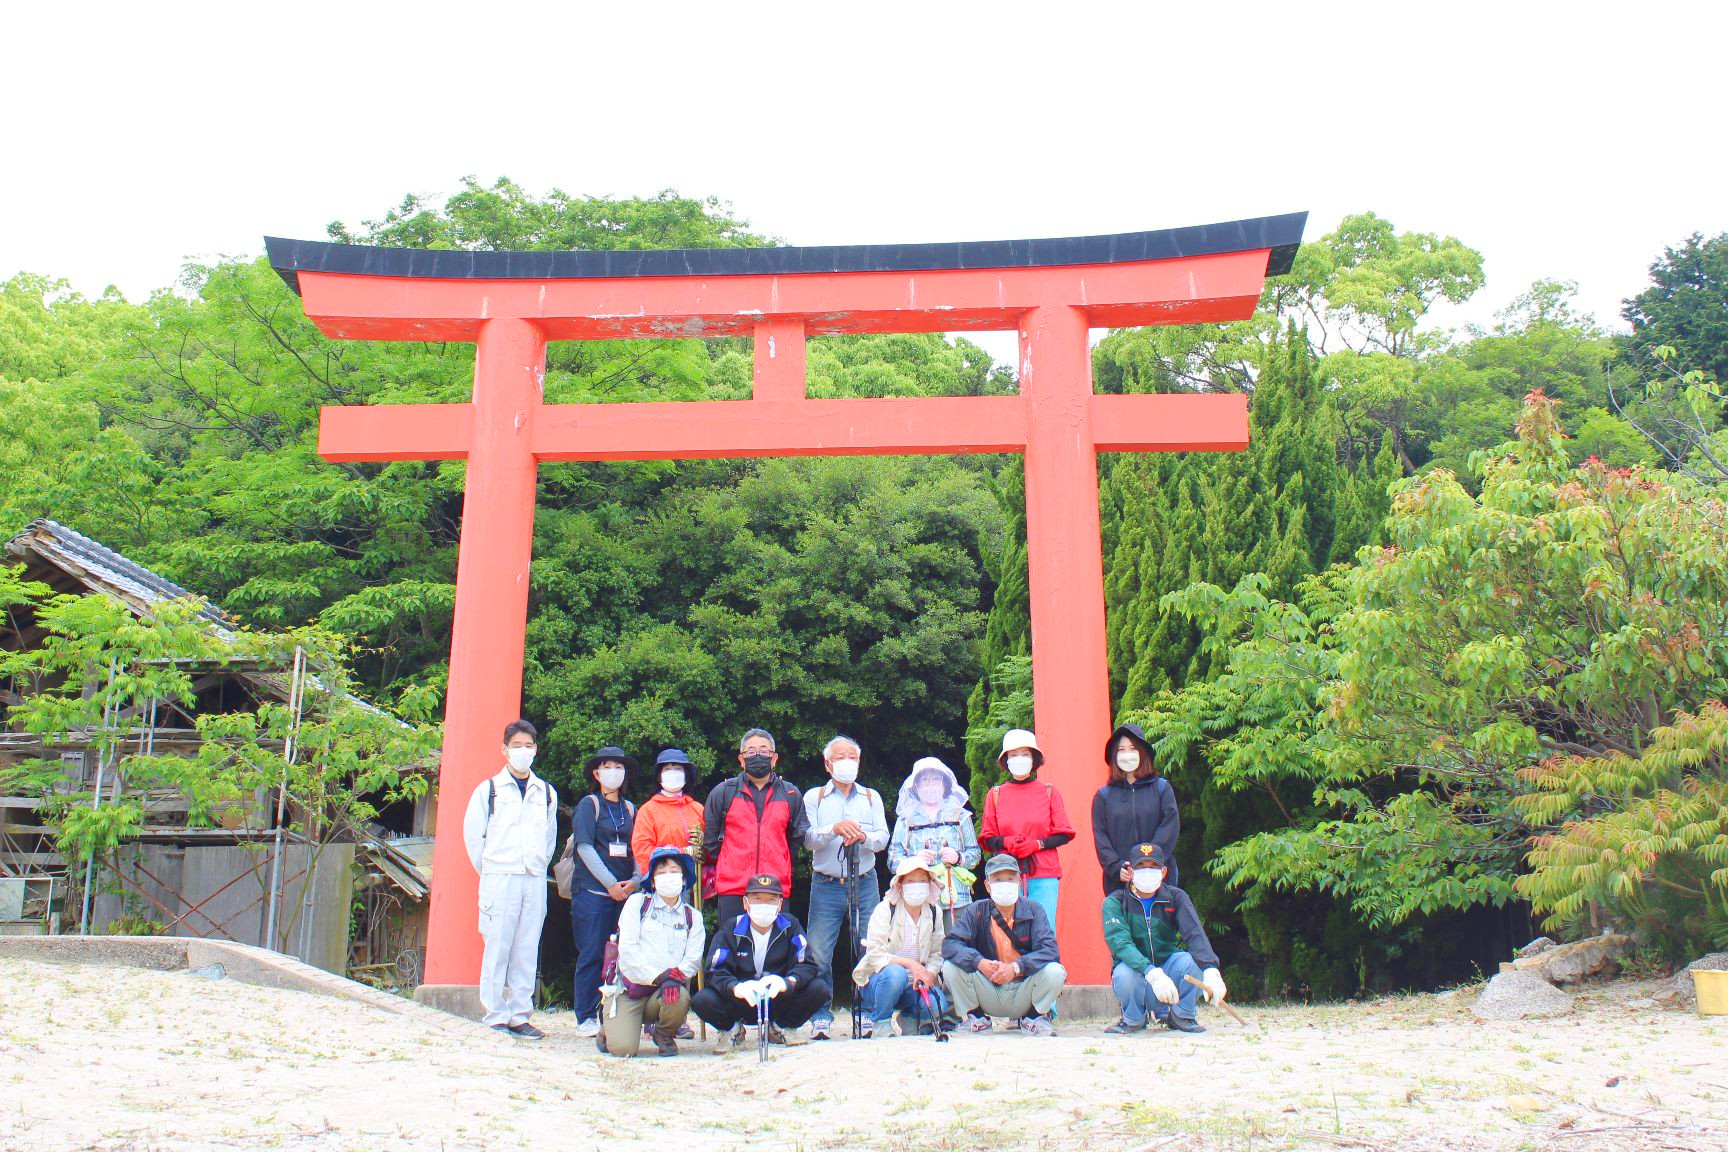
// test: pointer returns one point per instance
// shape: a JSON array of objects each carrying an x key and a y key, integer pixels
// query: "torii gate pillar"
[{"x": 1050, "y": 291}]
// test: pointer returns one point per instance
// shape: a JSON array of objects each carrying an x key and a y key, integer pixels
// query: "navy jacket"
[
  {"x": 1127, "y": 814},
  {"x": 969, "y": 940},
  {"x": 733, "y": 958}
]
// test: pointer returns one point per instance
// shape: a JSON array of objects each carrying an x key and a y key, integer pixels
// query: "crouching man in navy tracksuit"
[{"x": 761, "y": 955}]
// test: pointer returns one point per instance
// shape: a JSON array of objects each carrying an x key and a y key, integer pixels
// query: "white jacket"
[
  {"x": 522, "y": 834},
  {"x": 650, "y": 943}
]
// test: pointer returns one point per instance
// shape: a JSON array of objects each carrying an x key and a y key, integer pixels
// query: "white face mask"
[
  {"x": 669, "y": 884},
  {"x": 1128, "y": 760},
  {"x": 932, "y": 795},
  {"x": 672, "y": 779},
  {"x": 1020, "y": 767},
  {"x": 521, "y": 759},
  {"x": 915, "y": 893},
  {"x": 845, "y": 771},
  {"x": 1004, "y": 892},
  {"x": 611, "y": 778},
  {"x": 762, "y": 915},
  {"x": 1148, "y": 880}
]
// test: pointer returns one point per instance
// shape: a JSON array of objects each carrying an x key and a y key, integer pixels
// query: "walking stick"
[
  {"x": 935, "y": 1015},
  {"x": 762, "y": 1030},
  {"x": 850, "y": 871},
  {"x": 702, "y": 967},
  {"x": 1234, "y": 1015}
]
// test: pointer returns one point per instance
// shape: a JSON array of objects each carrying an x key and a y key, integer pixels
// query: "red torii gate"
[{"x": 511, "y": 303}]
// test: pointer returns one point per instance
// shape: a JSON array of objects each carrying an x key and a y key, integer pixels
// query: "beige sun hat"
[{"x": 1020, "y": 738}]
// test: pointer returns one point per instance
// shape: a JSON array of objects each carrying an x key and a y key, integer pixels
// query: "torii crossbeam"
[{"x": 1050, "y": 291}]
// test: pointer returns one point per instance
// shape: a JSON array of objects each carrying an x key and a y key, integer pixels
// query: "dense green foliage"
[{"x": 1405, "y": 679}]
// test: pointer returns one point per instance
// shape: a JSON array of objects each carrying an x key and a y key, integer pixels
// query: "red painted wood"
[
  {"x": 1065, "y": 575},
  {"x": 489, "y": 634},
  {"x": 1056, "y": 421},
  {"x": 1187, "y": 291}
]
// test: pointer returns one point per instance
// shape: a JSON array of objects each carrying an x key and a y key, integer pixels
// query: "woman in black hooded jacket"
[{"x": 1137, "y": 806}]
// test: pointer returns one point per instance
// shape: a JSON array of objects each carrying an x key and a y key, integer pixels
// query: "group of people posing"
[{"x": 928, "y": 954}]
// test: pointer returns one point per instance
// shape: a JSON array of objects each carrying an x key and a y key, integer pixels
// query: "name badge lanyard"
[{"x": 618, "y": 848}]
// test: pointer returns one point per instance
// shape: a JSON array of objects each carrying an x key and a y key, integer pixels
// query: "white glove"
[
  {"x": 1215, "y": 990},
  {"x": 748, "y": 991},
  {"x": 772, "y": 985},
  {"x": 1163, "y": 987}
]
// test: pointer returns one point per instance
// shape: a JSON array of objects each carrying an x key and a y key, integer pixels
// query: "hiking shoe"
[
  {"x": 685, "y": 1033},
  {"x": 729, "y": 1041},
  {"x": 588, "y": 1027},
  {"x": 1037, "y": 1026},
  {"x": 664, "y": 1043},
  {"x": 790, "y": 1037},
  {"x": 1123, "y": 1028},
  {"x": 600, "y": 1044},
  {"x": 527, "y": 1031},
  {"x": 1182, "y": 1024},
  {"x": 504, "y": 1028},
  {"x": 979, "y": 1023}
]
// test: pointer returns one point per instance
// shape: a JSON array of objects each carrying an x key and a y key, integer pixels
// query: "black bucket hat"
[{"x": 610, "y": 752}]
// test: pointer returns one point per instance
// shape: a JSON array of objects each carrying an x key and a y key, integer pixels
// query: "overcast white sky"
[{"x": 1558, "y": 140}]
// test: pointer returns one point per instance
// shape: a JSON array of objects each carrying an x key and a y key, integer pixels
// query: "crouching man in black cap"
[{"x": 761, "y": 955}]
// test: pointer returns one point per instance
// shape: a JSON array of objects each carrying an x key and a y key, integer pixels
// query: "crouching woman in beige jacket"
[{"x": 902, "y": 961}]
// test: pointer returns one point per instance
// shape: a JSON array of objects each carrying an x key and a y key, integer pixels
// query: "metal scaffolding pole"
[
  {"x": 95, "y": 803},
  {"x": 296, "y": 699}
]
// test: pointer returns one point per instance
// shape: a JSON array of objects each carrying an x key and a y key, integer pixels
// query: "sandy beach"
[{"x": 116, "y": 1059}]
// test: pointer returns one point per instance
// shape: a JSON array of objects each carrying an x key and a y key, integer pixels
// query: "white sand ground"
[{"x": 119, "y": 1059}]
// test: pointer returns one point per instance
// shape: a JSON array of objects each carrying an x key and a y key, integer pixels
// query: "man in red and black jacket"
[{"x": 752, "y": 822}]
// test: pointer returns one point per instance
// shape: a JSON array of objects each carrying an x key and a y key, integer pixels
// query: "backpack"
[{"x": 564, "y": 871}]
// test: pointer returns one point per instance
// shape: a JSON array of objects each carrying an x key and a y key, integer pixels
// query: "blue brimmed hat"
[{"x": 660, "y": 855}]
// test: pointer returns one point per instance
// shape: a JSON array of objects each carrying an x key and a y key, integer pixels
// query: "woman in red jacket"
[{"x": 1025, "y": 818}]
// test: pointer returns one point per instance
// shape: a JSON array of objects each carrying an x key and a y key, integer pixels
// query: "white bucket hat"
[{"x": 1020, "y": 738}]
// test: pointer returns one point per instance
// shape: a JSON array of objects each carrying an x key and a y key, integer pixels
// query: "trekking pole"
[
  {"x": 762, "y": 1030},
  {"x": 701, "y": 966},
  {"x": 935, "y": 1015},
  {"x": 850, "y": 871}
]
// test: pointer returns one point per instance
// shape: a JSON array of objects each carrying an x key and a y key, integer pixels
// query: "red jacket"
[
  {"x": 1033, "y": 809},
  {"x": 750, "y": 831}
]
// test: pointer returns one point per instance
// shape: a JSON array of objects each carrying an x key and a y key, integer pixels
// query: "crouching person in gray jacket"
[
  {"x": 660, "y": 938},
  {"x": 1000, "y": 959}
]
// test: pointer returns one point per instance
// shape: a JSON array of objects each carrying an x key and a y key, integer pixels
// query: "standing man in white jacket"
[{"x": 511, "y": 830}]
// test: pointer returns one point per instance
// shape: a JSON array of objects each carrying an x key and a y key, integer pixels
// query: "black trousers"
[{"x": 790, "y": 1009}]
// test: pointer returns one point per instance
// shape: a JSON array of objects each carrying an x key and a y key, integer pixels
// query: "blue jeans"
[
  {"x": 891, "y": 991},
  {"x": 1135, "y": 995},
  {"x": 1043, "y": 890},
  {"x": 827, "y": 917},
  {"x": 593, "y": 919}
]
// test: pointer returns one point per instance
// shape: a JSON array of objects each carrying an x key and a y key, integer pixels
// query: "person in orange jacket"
[{"x": 671, "y": 818}]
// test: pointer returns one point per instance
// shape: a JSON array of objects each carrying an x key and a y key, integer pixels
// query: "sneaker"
[
  {"x": 1182, "y": 1024},
  {"x": 819, "y": 1031},
  {"x": 866, "y": 1029},
  {"x": 527, "y": 1031},
  {"x": 664, "y": 1043},
  {"x": 685, "y": 1032},
  {"x": 504, "y": 1028},
  {"x": 1037, "y": 1026},
  {"x": 977, "y": 1022},
  {"x": 729, "y": 1041},
  {"x": 588, "y": 1027},
  {"x": 1123, "y": 1028}
]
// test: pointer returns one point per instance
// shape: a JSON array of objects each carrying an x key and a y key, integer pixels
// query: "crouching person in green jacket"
[{"x": 1156, "y": 940}]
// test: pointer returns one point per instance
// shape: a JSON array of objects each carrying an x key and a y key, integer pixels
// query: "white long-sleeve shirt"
[
  {"x": 825, "y": 807},
  {"x": 666, "y": 936},
  {"x": 521, "y": 834}
]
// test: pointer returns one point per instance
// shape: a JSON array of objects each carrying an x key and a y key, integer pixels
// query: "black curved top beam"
[{"x": 1282, "y": 234}]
